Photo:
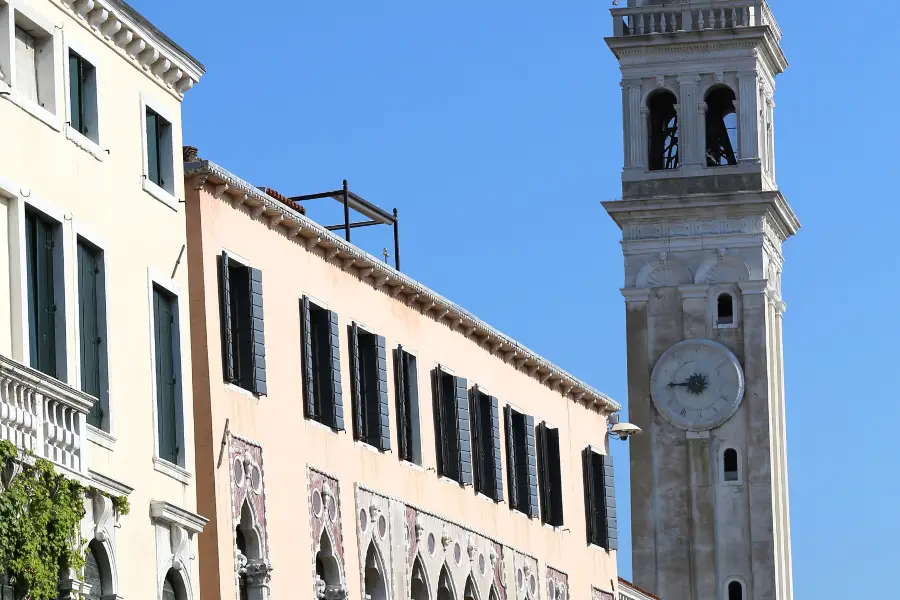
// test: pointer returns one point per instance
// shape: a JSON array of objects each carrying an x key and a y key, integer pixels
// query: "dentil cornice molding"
[{"x": 137, "y": 40}]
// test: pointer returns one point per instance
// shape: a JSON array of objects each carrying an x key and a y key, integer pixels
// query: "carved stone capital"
[
  {"x": 257, "y": 573},
  {"x": 636, "y": 295}
]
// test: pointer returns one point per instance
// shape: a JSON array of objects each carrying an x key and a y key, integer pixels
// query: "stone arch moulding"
[
  {"x": 105, "y": 556},
  {"x": 325, "y": 517},
  {"x": 663, "y": 270},
  {"x": 445, "y": 579},
  {"x": 722, "y": 267},
  {"x": 176, "y": 529},
  {"x": 418, "y": 569},
  {"x": 659, "y": 85},
  {"x": 374, "y": 566},
  {"x": 735, "y": 579}
]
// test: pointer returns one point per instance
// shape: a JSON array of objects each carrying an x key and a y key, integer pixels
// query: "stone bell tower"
[{"x": 703, "y": 223}]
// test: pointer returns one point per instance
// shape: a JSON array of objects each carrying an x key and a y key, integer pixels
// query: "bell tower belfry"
[{"x": 703, "y": 223}]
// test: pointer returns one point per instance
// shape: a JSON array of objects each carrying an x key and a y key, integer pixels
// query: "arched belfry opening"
[
  {"x": 418, "y": 584},
  {"x": 445, "y": 586},
  {"x": 663, "y": 131},
  {"x": 721, "y": 127},
  {"x": 375, "y": 576}
]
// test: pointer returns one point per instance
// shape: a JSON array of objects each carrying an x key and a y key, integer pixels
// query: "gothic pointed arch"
[
  {"x": 663, "y": 271},
  {"x": 493, "y": 595},
  {"x": 446, "y": 590},
  {"x": 375, "y": 576},
  {"x": 248, "y": 535},
  {"x": 419, "y": 588},
  {"x": 328, "y": 568},
  {"x": 471, "y": 590}
]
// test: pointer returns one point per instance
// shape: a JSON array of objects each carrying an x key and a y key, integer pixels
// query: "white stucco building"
[
  {"x": 95, "y": 371},
  {"x": 703, "y": 223}
]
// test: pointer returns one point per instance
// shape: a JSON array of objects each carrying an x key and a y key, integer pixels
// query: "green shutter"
[
  {"x": 90, "y": 295},
  {"x": 590, "y": 501},
  {"x": 495, "y": 447},
  {"x": 403, "y": 443},
  {"x": 258, "y": 384},
  {"x": 543, "y": 474},
  {"x": 411, "y": 387},
  {"x": 42, "y": 302},
  {"x": 76, "y": 92},
  {"x": 440, "y": 420},
  {"x": 225, "y": 318},
  {"x": 154, "y": 172},
  {"x": 555, "y": 477},
  {"x": 463, "y": 433},
  {"x": 532, "y": 467},
  {"x": 610, "y": 522},
  {"x": 477, "y": 436},
  {"x": 166, "y": 376}
]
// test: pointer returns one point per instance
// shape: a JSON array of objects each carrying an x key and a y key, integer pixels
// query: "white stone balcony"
[
  {"x": 691, "y": 15},
  {"x": 43, "y": 415}
]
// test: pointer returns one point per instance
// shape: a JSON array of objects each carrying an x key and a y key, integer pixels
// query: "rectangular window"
[
  {"x": 159, "y": 151},
  {"x": 92, "y": 327},
  {"x": 451, "y": 415},
  {"x": 323, "y": 394},
  {"x": 521, "y": 459},
  {"x": 35, "y": 78},
  {"x": 83, "y": 96},
  {"x": 485, "y": 424},
  {"x": 45, "y": 298},
  {"x": 409, "y": 434},
  {"x": 168, "y": 375},
  {"x": 549, "y": 475},
  {"x": 243, "y": 326},
  {"x": 600, "y": 500},
  {"x": 368, "y": 380}
]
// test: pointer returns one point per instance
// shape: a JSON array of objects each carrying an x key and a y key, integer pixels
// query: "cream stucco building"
[
  {"x": 360, "y": 436},
  {"x": 95, "y": 368}
]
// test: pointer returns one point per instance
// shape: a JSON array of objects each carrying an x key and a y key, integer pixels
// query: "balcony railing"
[
  {"x": 43, "y": 415},
  {"x": 693, "y": 16}
]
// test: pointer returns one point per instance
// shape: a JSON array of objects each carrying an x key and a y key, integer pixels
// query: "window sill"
[
  {"x": 487, "y": 499},
  {"x": 160, "y": 194},
  {"x": 412, "y": 465},
  {"x": 85, "y": 143},
  {"x": 33, "y": 108},
  {"x": 370, "y": 447},
  {"x": 173, "y": 471},
  {"x": 101, "y": 438},
  {"x": 446, "y": 479},
  {"x": 239, "y": 390},
  {"x": 322, "y": 426},
  {"x": 726, "y": 326}
]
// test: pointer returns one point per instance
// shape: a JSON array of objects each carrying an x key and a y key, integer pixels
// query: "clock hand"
[{"x": 685, "y": 384}]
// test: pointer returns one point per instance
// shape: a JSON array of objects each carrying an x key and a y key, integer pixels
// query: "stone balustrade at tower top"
[{"x": 690, "y": 15}]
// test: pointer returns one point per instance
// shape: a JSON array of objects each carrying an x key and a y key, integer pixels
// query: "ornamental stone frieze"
[{"x": 327, "y": 541}]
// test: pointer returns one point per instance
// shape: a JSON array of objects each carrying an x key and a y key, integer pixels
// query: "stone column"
[
  {"x": 690, "y": 144},
  {"x": 748, "y": 117},
  {"x": 634, "y": 130},
  {"x": 770, "y": 132},
  {"x": 694, "y": 300},
  {"x": 757, "y": 346},
  {"x": 640, "y": 412},
  {"x": 783, "y": 520}
]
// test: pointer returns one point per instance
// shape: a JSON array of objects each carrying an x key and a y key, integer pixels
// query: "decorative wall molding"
[
  {"x": 557, "y": 585},
  {"x": 175, "y": 530},
  {"x": 326, "y": 520},
  {"x": 137, "y": 40},
  {"x": 253, "y": 567},
  {"x": 347, "y": 257}
]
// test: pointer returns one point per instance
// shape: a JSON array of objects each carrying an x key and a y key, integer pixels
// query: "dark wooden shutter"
[
  {"x": 463, "y": 433},
  {"x": 590, "y": 506},
  {"x": 166, "y": 377},
  {"x": 403, "y": 444},
  {"x": 495, "y": 445},
  {"x": 554, "y": 473},
  {"x": 439, "y": 435},
  {"x": 383, "y": 424},
  {"x": 511, "y": 458},
  {"x": 309, "y": 395},
  {"x": 41, "y": 247},
  {"x": 543, "y": 464},
  {"x": 335, "y": 355},
  {"x": 476, "y": 431},
  {"x": 257, "y": 333},
  {"x": 227, "y": 342},
  {"x": 609, "y": 503},
  {"x": 411, "y": 376},
  {"x": 357, "y": 408},
  {"x": 532, "y": 467}
]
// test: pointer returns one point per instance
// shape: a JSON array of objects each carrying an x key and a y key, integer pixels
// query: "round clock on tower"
[{"x": 703, "y": 223}]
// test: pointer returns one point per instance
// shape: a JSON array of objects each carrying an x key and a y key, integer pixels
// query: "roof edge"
[{"x": 400, "y": 286}]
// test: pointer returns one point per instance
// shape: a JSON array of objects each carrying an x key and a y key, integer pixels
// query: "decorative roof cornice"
[
  {"x": 230, "y": 188},
  {"x": 136, "y": 39}
]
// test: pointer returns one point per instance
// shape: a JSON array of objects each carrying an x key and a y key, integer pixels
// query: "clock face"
[{"x": 697, "y": 385}]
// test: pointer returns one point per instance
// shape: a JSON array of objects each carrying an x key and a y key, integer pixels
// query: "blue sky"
[{"x": 495, "y": 129}]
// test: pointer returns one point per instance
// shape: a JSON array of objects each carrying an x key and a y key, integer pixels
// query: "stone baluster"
[
  {"x": 712, "y": 19},
  {"x": 640, "y": 24},
  {"x": 700, "y": 24},
  {"x": 722, "y": 23},
  {"x": 652, "y": 23},
  {"x": 734, "y": 17}
]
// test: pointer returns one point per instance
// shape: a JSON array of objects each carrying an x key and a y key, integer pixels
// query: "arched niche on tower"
[
  {"x": 663, "y": 271},
  {"x": 722, "y": 267}
]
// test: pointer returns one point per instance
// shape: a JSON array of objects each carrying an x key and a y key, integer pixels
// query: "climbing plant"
[{"x": 40, "y": 524}]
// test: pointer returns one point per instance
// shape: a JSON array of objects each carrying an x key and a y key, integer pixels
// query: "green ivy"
[{"x": 40, "y": 524}]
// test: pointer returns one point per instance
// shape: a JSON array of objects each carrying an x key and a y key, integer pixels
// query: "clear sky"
[{"x": 495, "y": 128}]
